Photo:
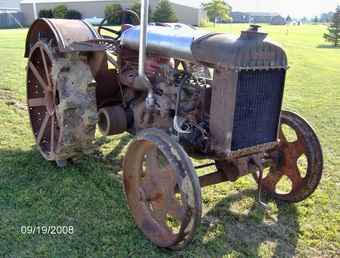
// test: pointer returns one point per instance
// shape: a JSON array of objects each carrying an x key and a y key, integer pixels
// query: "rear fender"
[
  {"x": 69, "y": 35},
  {"x": 78, "y": 36}
]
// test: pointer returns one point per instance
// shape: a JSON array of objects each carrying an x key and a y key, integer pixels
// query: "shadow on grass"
[
  {"x": 85, "y": 196},
  {"x": 325, "y": 46},
  {"x": 35, "y": 192},
  {"x": 247, "y": 233},
  {"x": 116, "y": 151},
  {"x": 114, "y": 157}
]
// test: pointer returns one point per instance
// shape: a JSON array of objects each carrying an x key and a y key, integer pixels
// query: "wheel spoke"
[
  {"x": 152, "y": 167},
  {"x": 38, "y": 76},
  {"x": 294, "y": 175},
  {"x": 36, "y": 102},
  {"x": 52, "y": 134},
  {"x": 272, "y": 179},
  {"x": 168, "y": 178},
  {"x": 297, "y": 148},
  {"x": 282, "y": 136},
  {"x": 159, "y": 212},
  {"x": 176, "y": 210},
  {"x": 46, "y": 68},
  {"x": 42, "y": 128}
]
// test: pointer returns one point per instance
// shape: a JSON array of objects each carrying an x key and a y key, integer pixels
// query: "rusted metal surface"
[
  {"x": 69, "y": 35},
  {"x": 42, "y": 100},
  {"x": 77, "y": 78},
  {"x": 229, "y": 169},
  {"x": 213, "y": 179},
  {"x": 107, "y": 84},
  {"x": 62, "y": 126},
  {"x": 250, "y": 51},
  {"x": 162, "y": 189},
  {"x": 289, "y": 153},
  {"x": 112, "y": 120},
  {"x": 221, "y": 122},
  {"x": 226, "y": 88}
]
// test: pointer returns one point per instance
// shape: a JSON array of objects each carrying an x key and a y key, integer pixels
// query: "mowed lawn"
[{"x": 89, "y": 195}]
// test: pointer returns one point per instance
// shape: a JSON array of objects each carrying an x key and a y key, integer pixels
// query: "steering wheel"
[{"x": 126, "y": 17}]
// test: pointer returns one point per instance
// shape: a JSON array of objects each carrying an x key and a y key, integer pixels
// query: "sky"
[{"x": 296, "y": 8}]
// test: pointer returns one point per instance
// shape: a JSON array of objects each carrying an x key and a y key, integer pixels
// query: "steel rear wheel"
[
  {"x": 300, "y": 161},
  {"x": 42, "y": 100},
  {"x": 162, "y": 189},
  {"x": 63, "y": 128}
]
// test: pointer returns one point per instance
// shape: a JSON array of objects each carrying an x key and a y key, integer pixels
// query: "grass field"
[{"x": 89, "y": 196}]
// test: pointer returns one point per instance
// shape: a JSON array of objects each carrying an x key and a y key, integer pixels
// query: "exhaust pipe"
[
  {"x": 142, "y": 80},
  {"x": 143, "y": 36}
]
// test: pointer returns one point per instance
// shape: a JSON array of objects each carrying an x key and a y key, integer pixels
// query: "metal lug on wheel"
[
  {"x": 49, "y": 86},
  {"x": 61, "y": 163}
]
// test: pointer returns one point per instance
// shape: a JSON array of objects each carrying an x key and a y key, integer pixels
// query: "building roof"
[
  {"x": 194, "y": 4},
  {"x": 257, "y": 14},
  {"x": 62, "y": 1},
  {"x": 190, "y": 3},
  {"x": 9, "y": 4}
]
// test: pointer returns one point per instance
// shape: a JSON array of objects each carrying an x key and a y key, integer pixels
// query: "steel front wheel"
[
  {"x": 298, "y": 169},
  {"x": 162, "y": 189}
]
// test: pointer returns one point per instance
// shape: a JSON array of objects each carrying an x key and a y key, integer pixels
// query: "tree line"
[
  {"x": 164, "y": 12},
  {"x": 60, "y": 12}
]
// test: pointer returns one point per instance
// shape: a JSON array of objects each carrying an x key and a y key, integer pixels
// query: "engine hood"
[
  {"x": 169, "y": 41},
  {"x": 249, "y": 51}
]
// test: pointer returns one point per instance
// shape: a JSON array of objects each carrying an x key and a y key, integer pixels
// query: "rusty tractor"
[{"x": 183, "y": 93}]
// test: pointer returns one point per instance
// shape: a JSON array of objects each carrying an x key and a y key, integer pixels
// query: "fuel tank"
[
  {"x": 251, "y": 50},
  {"x": 169, "y": 41}
]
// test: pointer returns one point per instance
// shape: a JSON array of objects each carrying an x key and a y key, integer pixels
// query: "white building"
[
  {"x": 189, "y": 14},
  {"x": 10, "y": 4}
]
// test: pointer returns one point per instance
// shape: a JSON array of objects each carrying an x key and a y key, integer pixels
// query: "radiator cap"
[{"x": 253, "y": 33}]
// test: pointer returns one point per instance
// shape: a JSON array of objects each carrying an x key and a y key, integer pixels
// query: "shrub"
[
  {"x": 205, "y": 23},
  {"x": 45, "y": 13},
  {"x": 164, "y": 12},
  {"x": 333, "y": 34},
  {"x": 59, "y": 12},
  {"x": 217, "y": 10},
  {"x": 113, "y": 14},
  {"x": 73, "y": 14},
  {"x": 136, "y": 8}
]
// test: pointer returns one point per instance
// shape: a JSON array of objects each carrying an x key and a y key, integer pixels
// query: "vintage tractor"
[{"x": 184, "y": 93}]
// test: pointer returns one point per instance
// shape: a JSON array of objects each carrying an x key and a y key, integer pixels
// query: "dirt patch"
[{"x": 8, "y": 97}]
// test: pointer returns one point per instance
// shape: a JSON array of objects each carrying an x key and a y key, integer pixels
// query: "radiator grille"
[{"x": 258, "y": 105}]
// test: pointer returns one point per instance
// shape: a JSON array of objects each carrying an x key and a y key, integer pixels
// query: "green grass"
[{"x": 89, "y": 195}]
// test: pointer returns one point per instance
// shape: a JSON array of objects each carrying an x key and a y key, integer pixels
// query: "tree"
[
  {"x": 326, "y": 17},
  {"x": 333, "y": 34},
  {"x": 304, "y": 20},
  {"x": 289, "y": 19},
  {"x": 316, "y": 19},
  {"x": 136, "y": 8},
  {"x": 45, "y": 13},
  {"x": 59, "y": 11},
  {"x": 73, "y": 14},
  {"x": 164, "y": 12},
  {"x": 218, "y": 10},
  {"x": 113, "y": 14}
]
